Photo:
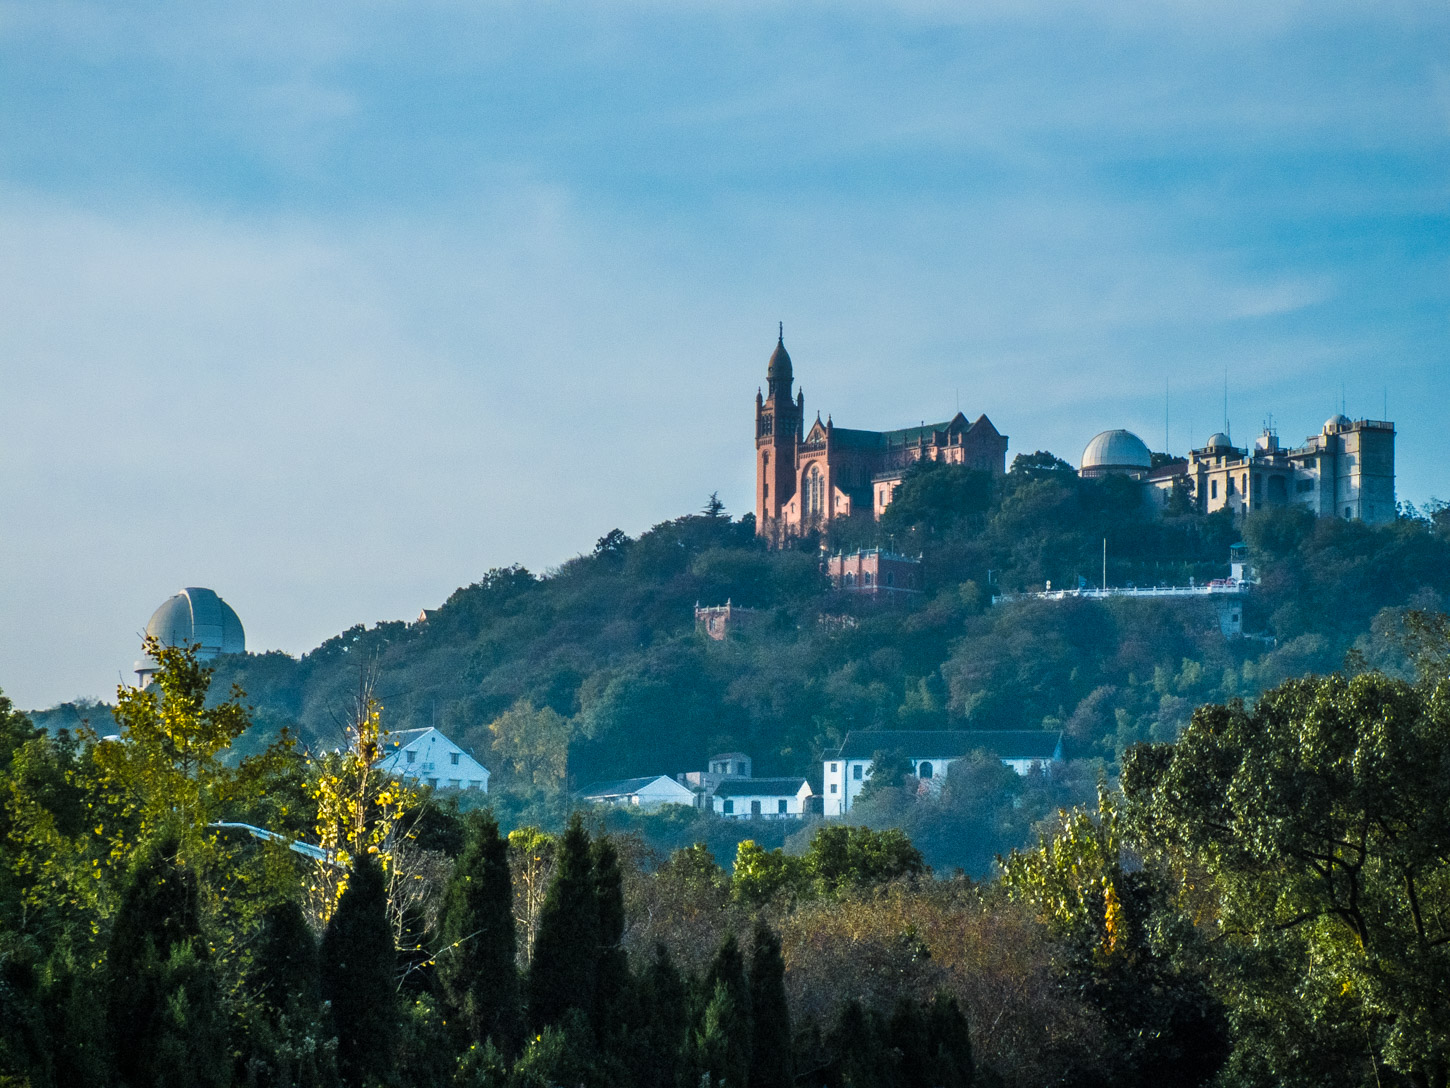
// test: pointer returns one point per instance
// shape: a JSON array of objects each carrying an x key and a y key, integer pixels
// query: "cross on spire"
[{"x": 782, "y": 332}]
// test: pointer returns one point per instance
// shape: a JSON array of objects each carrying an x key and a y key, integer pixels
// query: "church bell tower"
[{"x": 777, "y": 435}]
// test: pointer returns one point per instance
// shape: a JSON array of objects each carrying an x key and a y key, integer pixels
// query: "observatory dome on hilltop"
[
  {"x": 1116, "y": 453},
  {"x": 194, "y": 617}
]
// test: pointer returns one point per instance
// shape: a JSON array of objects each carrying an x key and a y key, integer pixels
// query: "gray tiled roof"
[
  {"x": 759, "y": 787},
  {"x": 620, "y": 788}
]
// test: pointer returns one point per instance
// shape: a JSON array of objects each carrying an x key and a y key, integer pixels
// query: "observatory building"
[
  {"x": 193, "y": 617},
  {"x": 1347, "y": 470}
]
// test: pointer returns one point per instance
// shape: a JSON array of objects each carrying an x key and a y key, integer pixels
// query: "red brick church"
[{"x": 805, "y": 479}]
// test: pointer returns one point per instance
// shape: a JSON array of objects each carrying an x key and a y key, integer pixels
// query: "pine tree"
[
  {"x": 562, "y": 973},
  {"x": 855, "y": 1043},
  {"x": 286, "y": 967},
  {"x": 358, "y": 968},
  {"x": 770, "y": 1037},
  {"x": 661, "y": 1018},
  {"x": 612, "y": 989},
  {"x": 165, "y": 1018},
  {"x": 728, "y": 969},
  {"x": 717, "y": 1051},
  {"x": 949, "y": 1042},
  {"x": 476, "y": 928},
  {"x": 906, "y": 1033},
  {"x": 284, "y": 1044}
]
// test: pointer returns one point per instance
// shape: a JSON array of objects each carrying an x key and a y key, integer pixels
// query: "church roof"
[{"x": 906, "y": 436}]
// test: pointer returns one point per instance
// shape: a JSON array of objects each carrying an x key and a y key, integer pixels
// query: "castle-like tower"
[
  {"x": 806, "y": 479},
  {"x": 777, "y": 436}
]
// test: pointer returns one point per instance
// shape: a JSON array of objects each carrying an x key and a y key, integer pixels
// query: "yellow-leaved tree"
[{"x": 361, "y": 809}]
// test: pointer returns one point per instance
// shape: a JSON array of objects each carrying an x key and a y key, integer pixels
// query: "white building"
[
  {"x": 931, "y": 752},
  {"x": 649, "y": 792},
  {"x": 427, "y": 756},
  {"x": 769, "y": 798}
]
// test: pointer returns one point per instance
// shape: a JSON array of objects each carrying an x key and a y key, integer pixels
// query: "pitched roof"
[
  {"x": 759, "y": 787},
  {"x": 625, "y": 786},
  {"x": 950, "y": 743},
  {"x": 398, "y": 737}
]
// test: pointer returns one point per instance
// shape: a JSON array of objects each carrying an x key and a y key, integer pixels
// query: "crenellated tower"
[{"x": 777, "y": 439}]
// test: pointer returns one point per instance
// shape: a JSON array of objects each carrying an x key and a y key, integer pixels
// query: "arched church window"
[
  {"x": 924, "y": 770},
  {"x": 815, "y": 493}
]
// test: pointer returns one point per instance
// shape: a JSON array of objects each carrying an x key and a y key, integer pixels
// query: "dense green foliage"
[
  {"x": 1265, "y": 905},
  {"x": 594, "y": 670}
]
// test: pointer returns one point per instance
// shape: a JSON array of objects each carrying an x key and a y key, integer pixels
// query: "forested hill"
[{"x": 594, "y": 670}]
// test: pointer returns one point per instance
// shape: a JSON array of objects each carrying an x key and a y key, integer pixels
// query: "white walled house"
[
  {"x": 648, "y": 792},
  {"x": 931, "y": 752},
  {"x": 767, "y": 798},
  {"x": 426, "y": 756}
]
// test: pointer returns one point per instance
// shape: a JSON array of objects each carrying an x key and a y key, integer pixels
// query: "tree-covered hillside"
[{"x": 595, "y": 670}]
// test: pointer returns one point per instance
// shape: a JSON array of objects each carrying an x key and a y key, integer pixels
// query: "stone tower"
[{"x": 777, "y": 436}]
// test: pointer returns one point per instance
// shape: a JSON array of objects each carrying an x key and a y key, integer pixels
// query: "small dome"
[
  {"x": 1335, "y": 422},
  {"x": 779, "y": 369},
  {"x": 1220, "y": 441},
  {"x": 1116, "y": 450},
  {"x": 198, "y": 615}
]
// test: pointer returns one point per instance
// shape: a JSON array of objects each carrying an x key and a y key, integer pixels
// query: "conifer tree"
[
  {"x": 855, "y": 1042},
  {"x": 562, "y": 973},
  {"x": 728, "y": 969},
  {"x": 949, "y": 1042},
  {"x": 476, "y": 928},
  {"x": 662, "y": 1017},
  {"x": 906, "y": 1033},
  {"x": 717, "y": 1051},
  {"x": 358, "y": 969},
  {"x": 165, "y": 1017},
  {"x": 612, "y": 979},
  {"x": 285, "y": 1045},
  {"x": 286, "y": 967},
  {"x": 770, "y": 1037}
]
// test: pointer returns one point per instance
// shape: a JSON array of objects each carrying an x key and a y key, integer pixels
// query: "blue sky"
[{"x": 333, "y": 307}]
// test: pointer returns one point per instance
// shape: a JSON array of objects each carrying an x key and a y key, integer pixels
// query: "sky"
[{"x": 334, "y": 307}]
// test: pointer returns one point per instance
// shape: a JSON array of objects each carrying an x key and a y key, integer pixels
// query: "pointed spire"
[{"x": 782, "y": 332}]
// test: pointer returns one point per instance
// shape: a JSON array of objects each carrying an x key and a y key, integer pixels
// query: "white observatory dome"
[
  {"x": 195, "y": 616},
  {"x": 1120, "y": 452}
]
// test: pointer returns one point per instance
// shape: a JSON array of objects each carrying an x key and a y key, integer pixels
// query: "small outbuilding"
[
  {"x": 761, "y": 798},
  {"x": 649, "y": 792}
]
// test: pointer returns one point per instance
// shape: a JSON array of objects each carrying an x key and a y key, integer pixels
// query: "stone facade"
[
  {"x": 1347, "y": 470},
  {"x": 874, "y": 571},
  {"x": 804, "y": 479}
]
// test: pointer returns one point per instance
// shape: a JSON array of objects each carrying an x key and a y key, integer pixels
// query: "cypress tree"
[
  {"x": 662, "y": 1017},
  {"x": 770, "y": 1037},
  {"x": 728, "y": 969},
  {"x": 718, "y": 1048},
  {"x": 906, "y": 1032},
  {"x": 358, "y": 968},
  {"x": 165, "y": 1018},
  {"x": 949, "y": 1043},
  {"x": 283, "y": 1045},
  {"x": 612, "y": 978},
  {"x": 286, "y": 967},
  {"x": 566, "y": 944},
  {"x": 855, "y": 1043},
  {"x": 476, "y": 965}
]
